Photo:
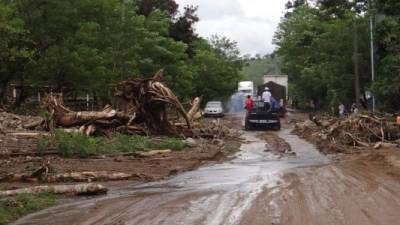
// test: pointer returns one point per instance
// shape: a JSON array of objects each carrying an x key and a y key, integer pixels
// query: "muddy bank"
[
  {"x": 213, "y": 194},
  {"x": 362, "y": 190},
  {"x": 256, "y": 187},
  {"x": 143, "y": 168}
]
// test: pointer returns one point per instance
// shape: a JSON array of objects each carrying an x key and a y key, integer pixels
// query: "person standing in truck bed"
[{"x": 266, "y": 97}]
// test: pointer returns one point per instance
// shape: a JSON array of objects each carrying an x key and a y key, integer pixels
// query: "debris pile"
[
  {"x": 362, "y": 130},
  {"x": 215, "y": 129},
  {"x": 10, "y": 121},
  {"x": 143, "y": 107}
]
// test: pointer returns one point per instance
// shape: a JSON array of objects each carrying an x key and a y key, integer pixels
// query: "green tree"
[
  {"x": 387, "y": 86},
  {"x": 14, "y": 51},
  {"x": 317, "y": 53},
  {"x": 85, "y": 46},
  {"x": 215, "y": 74}
]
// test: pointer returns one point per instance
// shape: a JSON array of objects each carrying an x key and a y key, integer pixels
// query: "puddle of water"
[{"x": 212, "y": 195}]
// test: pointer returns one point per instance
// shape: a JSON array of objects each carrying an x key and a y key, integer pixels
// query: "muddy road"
[{"x": 259, "y": 186}]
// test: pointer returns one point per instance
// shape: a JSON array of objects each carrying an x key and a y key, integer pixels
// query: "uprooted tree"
[{"x": 142, "y": 107}]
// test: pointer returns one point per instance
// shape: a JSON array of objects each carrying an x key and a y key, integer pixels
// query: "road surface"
[{"x": 256, "y": 187}]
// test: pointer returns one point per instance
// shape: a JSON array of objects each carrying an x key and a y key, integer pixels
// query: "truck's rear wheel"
[{"x": 277, "y": 126}]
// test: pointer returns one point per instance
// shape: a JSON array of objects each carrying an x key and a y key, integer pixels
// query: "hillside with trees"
[{"x": 256, "y": 67}]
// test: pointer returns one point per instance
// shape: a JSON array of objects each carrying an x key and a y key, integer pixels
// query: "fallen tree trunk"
[
  {"x": 42, "y": 175},
  {"x": 33, "y": 124},
  {"x": 142, "y": 105},
  {"x": 27, "y": 134},
  {"x": 76, "y": 118},
  {"x": 155, "y": 152},
  {"x": 195, "y": 108},
  {"x": 385, "y": 145},
  {"x": 88, "y": 176},
  {"x": 77, "y": 189}
]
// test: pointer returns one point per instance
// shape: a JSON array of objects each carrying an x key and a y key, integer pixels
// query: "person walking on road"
[
  {"x": 354, "y": 109},
  {"x": 266, "y": 97},
  {"x": 249, "y": 103},
  {"x": 342, "y": 110}
]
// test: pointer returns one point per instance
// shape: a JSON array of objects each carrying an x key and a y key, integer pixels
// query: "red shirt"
[{"x": 249, "y": 104}]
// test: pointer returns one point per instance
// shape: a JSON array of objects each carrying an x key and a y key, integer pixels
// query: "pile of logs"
[
  {"x": 141, "y": 108},
  {"x": 363, "y": 130}
]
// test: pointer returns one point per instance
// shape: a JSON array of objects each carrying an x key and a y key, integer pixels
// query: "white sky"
[{"x": 252, "y": 23}]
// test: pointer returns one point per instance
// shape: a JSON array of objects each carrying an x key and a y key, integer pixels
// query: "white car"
[{"x": 214, "y": 108}]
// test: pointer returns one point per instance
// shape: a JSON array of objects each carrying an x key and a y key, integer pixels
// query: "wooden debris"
[
  {"x": 385, "y": 145},
  {"x": 364, "y": 130},
  {"x": 142, "y": 106},
  {"x": 195, "y": 108},
  {"x": 88, "y": 176},
  {"x": 77, "y": 189},
  {"x": 33, "y": 124},
  {"x": 42, "y": 174},
  {"x": 27, "y": 134},
  {"x": 155, "y": 152}
]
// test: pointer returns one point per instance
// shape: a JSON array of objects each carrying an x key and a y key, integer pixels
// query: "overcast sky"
[{"x": 252, "y": 23}]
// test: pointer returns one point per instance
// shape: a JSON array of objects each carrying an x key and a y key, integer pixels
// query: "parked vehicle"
[
  {"x": 214, "y": 108},
  {"x": 246, "y": 88},
  {"x": 260, "y": 117}
]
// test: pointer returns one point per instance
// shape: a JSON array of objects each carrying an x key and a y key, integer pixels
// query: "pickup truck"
[{"x": 260, "y": 117}]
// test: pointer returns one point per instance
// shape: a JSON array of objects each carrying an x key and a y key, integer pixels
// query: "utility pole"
[
  {"x": 355, "y": 61},
  {"x": 371, "y": 28}
]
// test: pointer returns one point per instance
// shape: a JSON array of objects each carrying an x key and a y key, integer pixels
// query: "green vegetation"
[
  {"x": 83, "y": 146},
  {"x": 85, "y": 46},
  {"x": 387, "y": 87},
  {"x": 325, "y": 50},
  {"x": 12, "y": 208}
]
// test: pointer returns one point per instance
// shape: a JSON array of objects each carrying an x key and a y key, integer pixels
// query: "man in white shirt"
[{"x": 266, "y": 97}]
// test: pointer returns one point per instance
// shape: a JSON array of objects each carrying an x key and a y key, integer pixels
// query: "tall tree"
[
  {"x": 183, "y": 28},
  {"x": 14, "y": 46},
  {"x": 387, "y": 85},
  {"x": 317, "y": 54},
  {"x": 146, "y": 7}
]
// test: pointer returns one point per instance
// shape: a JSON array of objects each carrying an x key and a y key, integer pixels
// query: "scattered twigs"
[{"x": 357, "y": 141}]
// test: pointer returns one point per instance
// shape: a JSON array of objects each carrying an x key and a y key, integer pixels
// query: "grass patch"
[
  {"x": 83, "y": 146},
  {"x": 11, "y": 208}
]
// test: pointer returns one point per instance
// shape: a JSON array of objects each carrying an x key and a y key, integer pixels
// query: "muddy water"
[{"x": 213, "y": 195}]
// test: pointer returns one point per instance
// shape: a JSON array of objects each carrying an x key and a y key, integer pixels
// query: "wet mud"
[{"x": 255, "y": 187}]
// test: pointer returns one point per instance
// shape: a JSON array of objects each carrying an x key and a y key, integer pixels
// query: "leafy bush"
[
  {"x": 83, "y": 146},
  {"x": 12, "y": 208},
  {"x": 79, "y": 144},
  {"x": 125, "y": 143}
]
